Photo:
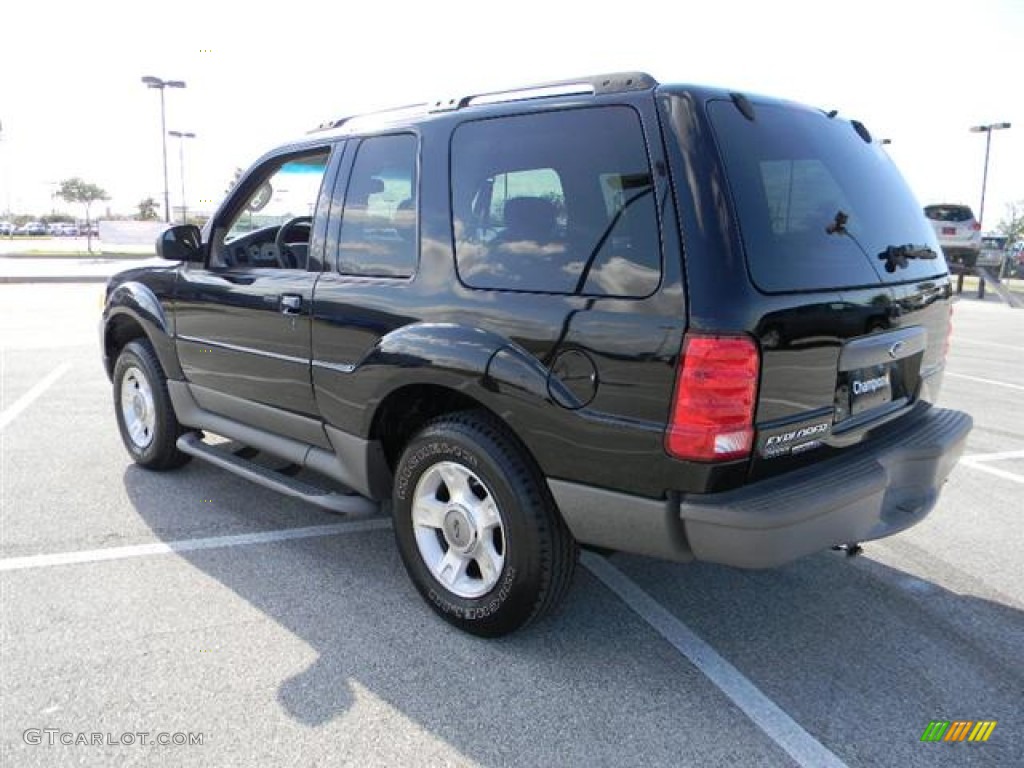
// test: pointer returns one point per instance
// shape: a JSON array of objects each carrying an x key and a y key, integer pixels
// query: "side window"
[
  {"x": 538, "y": 209},
  {"x": 378, "y": 224},
  {"x": 286, "y": 195},
  {"x": 539, "y": 182}
]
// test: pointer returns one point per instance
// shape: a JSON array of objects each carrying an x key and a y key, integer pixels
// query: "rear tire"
[
  {"x": 476, "y": 526},
  {"x": 145, "y": 417}
]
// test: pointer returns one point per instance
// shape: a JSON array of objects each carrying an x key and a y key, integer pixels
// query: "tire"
[
  {"x": 477, "y": 528},
  {"x": 145, "y": 417}
]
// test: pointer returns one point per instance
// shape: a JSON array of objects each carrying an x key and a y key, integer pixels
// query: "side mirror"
[{"x": 181, "y": 243}]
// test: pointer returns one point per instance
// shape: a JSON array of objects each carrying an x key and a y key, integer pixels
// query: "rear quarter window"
[
  {"x": 792, "y": 171},
  {"x": 556, "y": 202}
]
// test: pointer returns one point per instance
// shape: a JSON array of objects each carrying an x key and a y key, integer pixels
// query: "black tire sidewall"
[
  {"x": 161, "y": 451},
  {"x": 512, "y": 601}
]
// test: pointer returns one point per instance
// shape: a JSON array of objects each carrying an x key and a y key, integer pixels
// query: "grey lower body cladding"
[{"x": 868, "y": 492}]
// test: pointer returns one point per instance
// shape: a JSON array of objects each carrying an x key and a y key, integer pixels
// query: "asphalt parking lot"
[{"x": 194, "y": 604}]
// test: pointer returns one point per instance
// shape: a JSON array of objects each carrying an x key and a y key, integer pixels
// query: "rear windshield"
[
  {"x": 948, "y": 213},
  {"x": 795, "y": 174}
]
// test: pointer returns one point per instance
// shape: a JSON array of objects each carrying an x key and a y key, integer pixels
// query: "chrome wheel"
[
  {"x": 458, "y": 529},
  {"x": 137, "y": 407}
]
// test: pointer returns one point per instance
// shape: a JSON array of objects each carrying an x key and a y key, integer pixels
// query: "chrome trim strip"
[
  {"x": 337, "y": 367},
  {"x": 248, "y": 350}
]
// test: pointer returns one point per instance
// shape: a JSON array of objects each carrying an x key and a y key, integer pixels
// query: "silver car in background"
[
  {"x": 959, "y": 233},
  {"x": 994, "y": 251}
]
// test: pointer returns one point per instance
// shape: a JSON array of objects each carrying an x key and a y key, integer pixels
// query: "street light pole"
[
  {"x": 987, "y": 130},
  {"x": 181, "y": 136},
  {"x": 160, "y": 85}
]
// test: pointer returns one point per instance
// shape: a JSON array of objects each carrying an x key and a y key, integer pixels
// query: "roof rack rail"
[
  {"x": 615, "y": 82},
  {"x": 409, "y": 110}
]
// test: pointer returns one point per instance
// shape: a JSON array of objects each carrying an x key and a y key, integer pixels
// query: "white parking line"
[
  {"x": 1011, "y": 476},
  {"x": 985, "y": 381},
  {"x": 964, "y": 340},
  {"x": 979, "y": 461},
  {"x": 11, "y": 413},
  {"x": 766, "y": 714},
  {"x": 998, "y": 456},
  {"x": 188, "y": 545}
]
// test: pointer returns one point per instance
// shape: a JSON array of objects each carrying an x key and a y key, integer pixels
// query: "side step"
[{"x": 347, "y": 504}]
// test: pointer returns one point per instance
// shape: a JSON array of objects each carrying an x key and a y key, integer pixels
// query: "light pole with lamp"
[
  {"x": 181, "y": 136},
  {"x": 160, "y": 85},
  {"x": 987, "y": 130}
]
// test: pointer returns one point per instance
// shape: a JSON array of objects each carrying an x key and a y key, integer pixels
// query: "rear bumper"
[{"x": 868, "y": 492}]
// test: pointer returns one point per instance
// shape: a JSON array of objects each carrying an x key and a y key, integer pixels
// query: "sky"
[{"x": 72, "y": 102}]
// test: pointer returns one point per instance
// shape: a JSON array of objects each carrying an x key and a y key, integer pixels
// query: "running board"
[{"x": 352, "y": 504}]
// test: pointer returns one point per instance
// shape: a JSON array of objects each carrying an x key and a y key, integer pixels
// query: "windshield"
[{"x": 816, "y": 203}]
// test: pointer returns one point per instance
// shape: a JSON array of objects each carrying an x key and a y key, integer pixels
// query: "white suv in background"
[{"x": 959, "y": 233}]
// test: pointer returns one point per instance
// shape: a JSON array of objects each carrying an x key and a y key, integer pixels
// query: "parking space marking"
[
  {"x": 1011, "y": 476},
  {"x": 997, "y": 456},
  {"x": 765, "y": 713},
  {"x": 980, "y": 461},
  {"x": 11, "y": 413},
  {"x": 985, "y": 381},
  {"x": 188, "y": 545},
  {"x": 997, "y": 345}
]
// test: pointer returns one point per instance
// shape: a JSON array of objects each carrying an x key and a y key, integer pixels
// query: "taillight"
[
  {"x": 976, "y": 226},
  {"x": 716, "y": 389}
]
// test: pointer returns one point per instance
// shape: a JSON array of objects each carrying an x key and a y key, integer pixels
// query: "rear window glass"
[
  {"x": 538, "y": 209},
  {"x": 794, "y": 175},
  {"x": 948, "y": 213}
]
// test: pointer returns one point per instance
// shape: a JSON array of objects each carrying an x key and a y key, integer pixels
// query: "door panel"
[
  {"x": 243, "y": 319},
  {"x": 234, "y": 337}
]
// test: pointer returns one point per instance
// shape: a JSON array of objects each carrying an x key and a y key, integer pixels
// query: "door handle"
[{"x": 291, "y": 304}]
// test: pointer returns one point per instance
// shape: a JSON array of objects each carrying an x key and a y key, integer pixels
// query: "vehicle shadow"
[{"x": 863, "y": 656}]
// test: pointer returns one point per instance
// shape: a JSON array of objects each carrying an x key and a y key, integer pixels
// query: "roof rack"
[
  {"x": 615, "y": 82},
  {"x": 409, "y": 110}
]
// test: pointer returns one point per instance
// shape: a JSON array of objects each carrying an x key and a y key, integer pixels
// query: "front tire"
[
  {"x": 477, "y": 529},
  {"x": 145, "y": 417}
]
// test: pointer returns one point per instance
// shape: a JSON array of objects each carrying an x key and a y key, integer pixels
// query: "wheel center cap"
[
  {"x": 459, "y": 531},
  {"x": 139, "y": 406}
]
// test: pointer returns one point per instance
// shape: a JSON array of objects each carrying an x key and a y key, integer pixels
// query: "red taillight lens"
[
  {"x": 713, "y": 411},
  {"x": 976, "y": 226}
]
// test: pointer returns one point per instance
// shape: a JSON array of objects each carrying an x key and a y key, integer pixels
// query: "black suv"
[{"x": 667, "y": 320}]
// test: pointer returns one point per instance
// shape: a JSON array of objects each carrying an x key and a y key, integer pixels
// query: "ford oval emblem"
[{"x": 895, "y": 349}]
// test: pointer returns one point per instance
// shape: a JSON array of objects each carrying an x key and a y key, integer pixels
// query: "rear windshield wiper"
[{"x": 900, "y": 255}]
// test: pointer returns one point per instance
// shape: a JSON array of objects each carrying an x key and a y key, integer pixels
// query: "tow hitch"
[{"x": 852, "y": 549}]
